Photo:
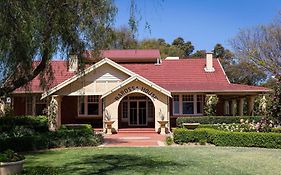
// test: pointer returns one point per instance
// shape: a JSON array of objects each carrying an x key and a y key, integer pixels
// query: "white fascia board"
[{"x": 86, "y": 71}]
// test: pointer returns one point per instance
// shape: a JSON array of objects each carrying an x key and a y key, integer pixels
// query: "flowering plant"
[{"x": 264, "y": 125}]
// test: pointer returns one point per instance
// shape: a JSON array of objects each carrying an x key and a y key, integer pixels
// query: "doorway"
[{"x": 136, "y": 110}]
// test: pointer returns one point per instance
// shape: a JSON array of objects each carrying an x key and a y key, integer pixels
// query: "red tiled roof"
[
  {"x": 61, "y": 74},
  {"x": 184, "y": 75},
  {"x": 119, "y": 56},
  {"x": 153, "y": 53},
  {"x": 188, "y": 75}
]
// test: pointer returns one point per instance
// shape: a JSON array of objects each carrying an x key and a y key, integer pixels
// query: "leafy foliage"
[
  {"x": 215, "y": 119},
  {"x": 222, "y": 138},
  {"x": 210, "y": 105},
  {"x": 36, "y": 30},
  {"x": 10, "y": 156}
]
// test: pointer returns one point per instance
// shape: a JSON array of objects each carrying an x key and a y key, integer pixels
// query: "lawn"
[{"x": 161, "y": 160}]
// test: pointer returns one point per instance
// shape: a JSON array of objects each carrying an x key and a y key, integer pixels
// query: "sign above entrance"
[{"x": 129, "y": 89}]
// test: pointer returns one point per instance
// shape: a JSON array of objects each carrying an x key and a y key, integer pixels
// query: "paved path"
[{"x": 134, "y": 139}]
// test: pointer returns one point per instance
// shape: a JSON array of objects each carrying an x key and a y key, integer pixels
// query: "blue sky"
[{"x": 203, "y": 22}]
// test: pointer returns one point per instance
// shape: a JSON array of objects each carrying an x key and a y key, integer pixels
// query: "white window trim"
[
  {"x": 86, "y": 107},
  {"x": 194, "y": 105},
  {"x": 179, "y": 105}
]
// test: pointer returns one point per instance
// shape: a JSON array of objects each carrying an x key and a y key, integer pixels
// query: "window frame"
[
  {"x": 181, "y": 101},
  {"x": 179, "y": 96},
  {"x": 86, "y": 102},
  {"x": 189, "y": 100}
]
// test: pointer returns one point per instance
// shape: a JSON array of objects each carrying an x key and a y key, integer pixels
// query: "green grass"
[{"x": 162, "y": 160}]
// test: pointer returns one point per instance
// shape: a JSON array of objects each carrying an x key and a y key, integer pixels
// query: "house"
[{"x": 134, "y": 88}]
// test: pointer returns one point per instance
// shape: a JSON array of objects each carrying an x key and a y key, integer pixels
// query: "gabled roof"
[
  {"x": 141, "y": 79},
  {"x": 86, "y": 71},
  {"x": 188, "y": 75}
]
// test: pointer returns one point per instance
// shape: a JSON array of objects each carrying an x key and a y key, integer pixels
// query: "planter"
[
  {"x": 8, "y": 168},
  {"x": 163, "y": 126},
  {"x": 190, "y": 125},
  {"x": 109, "y": 126}
]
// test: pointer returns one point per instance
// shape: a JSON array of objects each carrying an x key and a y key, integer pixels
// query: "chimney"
[
  {"x": 209, "y": 62},
  {"x": 73, "y": 63}
]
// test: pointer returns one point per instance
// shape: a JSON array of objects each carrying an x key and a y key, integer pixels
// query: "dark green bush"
[
  {"x": 36, "y": 123},
  {"x": 215, "y": 119},
  {"x": 222, "y": 138},
  {"x": 64, "y": 137}
]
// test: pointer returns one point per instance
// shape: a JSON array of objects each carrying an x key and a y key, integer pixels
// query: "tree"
[
  {"x": 244, "y": 73},
  {"x": 122, "y": 38},
  {"x": 219, "y": 51},
  {"x": 237, "y": 70},
  {"x": 36, "y": 30},
  {"x": 187, "y": 47},
  {"x": 199, "y": 54},
  {"x": 261, "y": 46}
]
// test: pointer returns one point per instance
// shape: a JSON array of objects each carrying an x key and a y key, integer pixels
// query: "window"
[
  {"x": 125, "y": 109},
  {"x": 93, "y": 105},
  {"x": 82, "y": 105},
  {"x": 40, "y": 106},
  {"x": 88, "y": 105},
  {"x": 176, "y": 102},
  {"x": 187, "y": 104},
  {"x": 200, "y": 104}
]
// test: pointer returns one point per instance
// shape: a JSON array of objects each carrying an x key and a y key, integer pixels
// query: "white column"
[
  {"x": 240, "y": 107},
  {"x": 251, "y": 105}
]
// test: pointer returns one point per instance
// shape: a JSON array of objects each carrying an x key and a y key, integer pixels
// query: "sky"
[{"x": 203, "y": 22}]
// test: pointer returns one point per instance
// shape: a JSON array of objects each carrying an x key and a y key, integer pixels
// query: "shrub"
[
  {"x": 222, "y": 138},
  {"x": 215, "y": 119},
  {"x": 76, "y": 136},
  {"x": 36, "y": 123},
  {"x": 169, "y": 140},
  {"x": 10, "y": 156},
  {"x": 64, "y": 137}
]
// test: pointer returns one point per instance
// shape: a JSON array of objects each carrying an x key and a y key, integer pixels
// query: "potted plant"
[
  {"x": 108, "y": 122},
  {"x": 11, "y": 162}
]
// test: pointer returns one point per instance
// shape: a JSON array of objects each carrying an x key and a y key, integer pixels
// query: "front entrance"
[
  {"x": 138, "y": 115},
  {"x": 136, "y": 110}
]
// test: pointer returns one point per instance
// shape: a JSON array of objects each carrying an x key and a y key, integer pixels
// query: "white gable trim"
[
  {"x": 143, "y": 80},
  {"x": 86, "y": 71}
]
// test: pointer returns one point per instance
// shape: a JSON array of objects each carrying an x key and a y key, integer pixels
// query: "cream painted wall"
[
  {"x": 160, "y": 103},
  {"x": 97, "y": 82}
]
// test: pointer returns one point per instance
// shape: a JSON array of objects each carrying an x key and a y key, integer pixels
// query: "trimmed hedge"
[
  {"x": 64, "y": 137},
  {"x": 222, "y": 138},
  {"x": 36, "y": 123},
  {"x": 215, "y": 119}
]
